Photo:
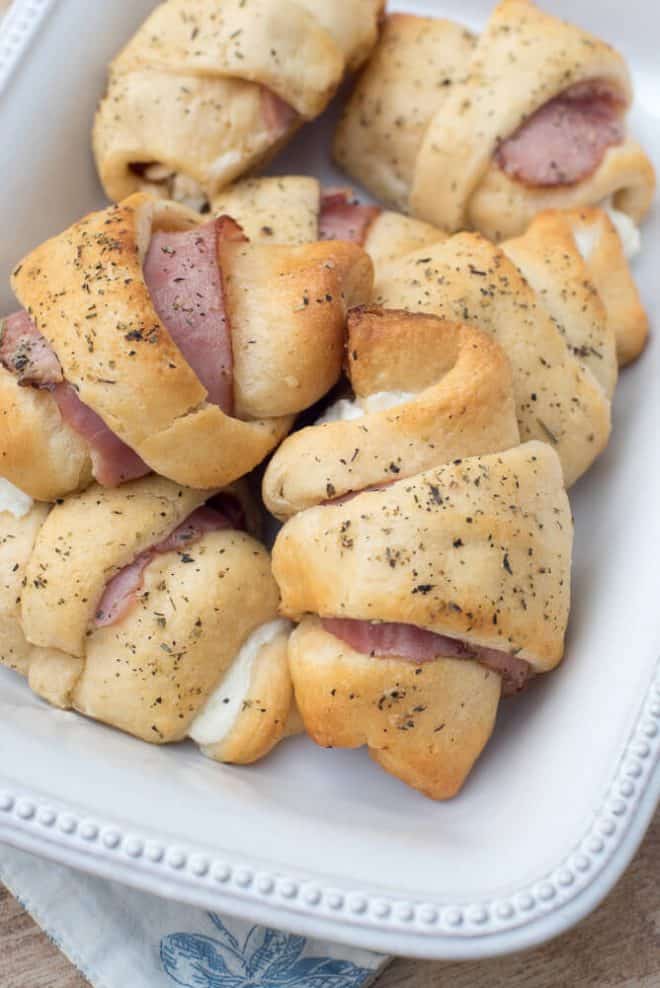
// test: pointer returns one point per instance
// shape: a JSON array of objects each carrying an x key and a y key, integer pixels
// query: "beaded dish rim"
[
  {"x": 17, "y": 29},
  {"x": 530, "y": 914}
]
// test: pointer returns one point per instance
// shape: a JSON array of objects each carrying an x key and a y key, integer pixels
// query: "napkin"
[{"x": 121, "y": 938}]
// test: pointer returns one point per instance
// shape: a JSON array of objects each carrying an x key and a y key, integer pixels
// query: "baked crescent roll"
[
  {"x": 426, "y": 391},
  {"x": 149, "y": 338},
  {"x": 486, "y": 132},
  {"x": 296, "y": 209},
  {"x": 421, "y": 602},
  {"x": 466, "y": 278},
  {"x": 549, "y": 258},
  {"x": 204, "y": 92},
  {"x": 576, "y": 262},
  {"x": 146, "y": 609},
  {"x": 19, "y": 527}
]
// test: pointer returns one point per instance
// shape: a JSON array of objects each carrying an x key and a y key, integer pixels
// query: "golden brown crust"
[
  {"x": 286, "y": 209},
  {"x": 466, "y": 278},
  {"x": 39, "y": 452},
  {"x": 86, "y": 292},
  {"x": 189, "y": 451},
  {"x": 462, "y": 406},
  {"x": 53, "y": 676},
  {"x": 83, "y": 543},
  {"x": 433, "y": 103},
  {"x": 610, "y": 272},
  {"x": 17, "y": 538},
  {"x": 152, "y": 670},
  {"x": 150, "y": 673},
  {"x": 549, "y": 258},
  {"x": 542, "y": 56},
  {"x": 478, "y": 550},
  {"x": 393, "y": 235},
  {"x": 425, "y": 724},
  {"x": 502, "y": 207},
  {"x": 265, "y": 718},
  {"x": 304, "y": 292},
  {"x": 406, "y": 80},
  {"x": 187, "y": 91},
  {"x": 354, "y": 27},
  {"x": 273, "y": 210},
  {"x": 183, "y": 125}
]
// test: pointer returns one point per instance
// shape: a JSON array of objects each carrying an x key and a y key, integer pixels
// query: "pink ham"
[
  {"x": 407, "y": 641},
  {"x": 113, "y": 462},
  {"x": 343, "y": 219},
  {"x": 25, "y": 352},
  {"x": 120, "y": 593},
  {"x": 566, "y": 139},
  {"x": 28, "y": 355},
  {"x": 279, "y": 118},
  {"x": 343, "y": 498},
  {"x": 184, "y": 279},
  {"x": 183, "y": 275}
]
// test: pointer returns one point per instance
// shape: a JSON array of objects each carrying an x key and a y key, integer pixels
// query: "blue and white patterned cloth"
[{"x": 121, "y": 938}]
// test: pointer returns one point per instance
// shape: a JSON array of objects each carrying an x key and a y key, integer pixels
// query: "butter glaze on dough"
[
  {"x": 151, "y": 672},
  {"x": 478, "y": 550}
]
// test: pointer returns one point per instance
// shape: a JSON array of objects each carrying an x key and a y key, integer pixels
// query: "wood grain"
[{"x": 618, "y": 946}]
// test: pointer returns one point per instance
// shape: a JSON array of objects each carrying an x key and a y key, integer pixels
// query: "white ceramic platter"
[{"x": 322, "y": 842}]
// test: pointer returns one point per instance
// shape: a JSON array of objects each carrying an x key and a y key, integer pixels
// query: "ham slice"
[
  {"x": 184, "y": 279},
  {"x": 26, "y": 353},
  {"x": 113, "y": 462},
  {"x": 343, "y": 219},
  {"x": 566, "y": 139},
  {"x": 183, "y": 276},
  {"x": 279, "y": 118},
  {"x": 343, "y": 498},
  {"x": 120, "y": 593},
  {"x": 407, "y": 641}
]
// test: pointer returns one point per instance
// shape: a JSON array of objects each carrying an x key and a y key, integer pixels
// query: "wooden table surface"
[{"x": 618, "y": 946}]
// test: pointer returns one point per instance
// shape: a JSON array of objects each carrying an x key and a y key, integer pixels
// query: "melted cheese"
[
  {"x": 13, "y": 500},
  {"x": 587, "y": 237},
  {"x": 345, "y": 409},
  {"x": 218, "y": 715},
  {"x": 629, "y": 235},
  {"x": 161, "y": 181}
]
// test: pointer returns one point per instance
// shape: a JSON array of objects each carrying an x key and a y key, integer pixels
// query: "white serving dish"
[{"x": 322, "y": 842}]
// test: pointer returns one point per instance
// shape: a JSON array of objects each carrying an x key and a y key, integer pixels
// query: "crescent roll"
[
  {"x": 604, "y": 241},
  {"x": 152, "y": 341},
  {"x": 204, "y": 91},
  {"x": 426, "y": 391},
  {"x": 420, "y": 603},
  {"x": 146, "y": 609},
  {"x": 549, "y": 258},
  {"x": 484, "y": 133},
  {"x": 296, "y": 209},
  {"x": 558, "y": 400}
]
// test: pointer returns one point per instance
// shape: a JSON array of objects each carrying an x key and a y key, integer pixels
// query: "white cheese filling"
[
  {"x": 346, "y": 409},
  {"x": 162, "y": 181},
  {"x": 629, "y": 235},
  {"x": 13, "y": 500},
  {"x": 218, "y": 715},
  {"x": 587, "y": 237}
]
